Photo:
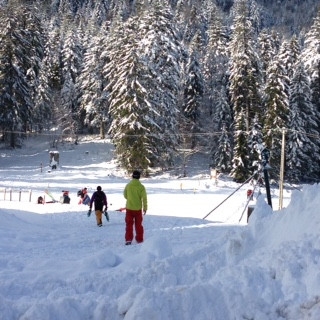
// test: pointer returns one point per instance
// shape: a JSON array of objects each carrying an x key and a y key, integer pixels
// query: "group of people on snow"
[{"x": 136, "y": 206}]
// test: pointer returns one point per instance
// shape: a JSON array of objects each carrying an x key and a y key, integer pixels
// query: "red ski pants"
[{"x": 134, "y": 218}]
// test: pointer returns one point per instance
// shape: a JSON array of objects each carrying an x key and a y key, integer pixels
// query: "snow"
[{"x": 55, "y": 263}]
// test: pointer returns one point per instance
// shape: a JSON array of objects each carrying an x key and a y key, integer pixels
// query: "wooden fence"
[{"x": 15, "y": 195}]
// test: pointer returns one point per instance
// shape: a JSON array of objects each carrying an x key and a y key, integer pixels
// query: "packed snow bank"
[
  {"x": 56, "y": 264},
  {"x": 60, "y": 267}
]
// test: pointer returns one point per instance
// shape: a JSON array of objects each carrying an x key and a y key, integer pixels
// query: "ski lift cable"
[
  {"x": 190, "y": 134},
  {"x": 231, "y": 194}
]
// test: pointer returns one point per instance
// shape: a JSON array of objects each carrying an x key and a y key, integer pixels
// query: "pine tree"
[
  {"x": 52, "y": 65},
  {"x": 290, "y": 54},
  {"x": 244, "y": 88},
  {"x": 222, "y": 143},
  {"x": 217, "y": 112},
  {"x": 53, "y": 57},
  {"x": 222, "y": 155},
  {"x": 193, "y": 89},
  {"x": 132, "y": 125},
  {"x": 255, "y": 141},
  {"x": 216, "y": 57},
  {"x": 269, "y": 44},
  {"x": 161, "y": 47},
  {"x": 71, "y": 58},
  {"x": 94, "y": 105},
  {"x": 301, "y": 151},
  {"x": 131, "y": 134},
  {"x": 191, "y": 19},
  {"x": 43, "y": 100},
  {"x": 20, "y": 55},
  {"x": 311, "y": 59},
  {"x": 277, "y": 109},
  {"x": 48, "y": 95},
  {"x": 144, "y": 73}
]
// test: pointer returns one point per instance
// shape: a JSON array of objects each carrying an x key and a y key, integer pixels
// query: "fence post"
[
  {"x": 10, "y": 194},
  {"x": 4, "y": 194},
  {"x": 20, "y": 195},
  {"x": 30, "y": 193}
]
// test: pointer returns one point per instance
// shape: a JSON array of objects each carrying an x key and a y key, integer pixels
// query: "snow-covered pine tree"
[
  {"x": 311, "y": 59},
  {"x": 217, "y": 112},
  {"x": 52, "y": 60},
  {"x": 130, "y": 108},
  {"x": 94, "y": 104},
  {"x": 191, "y": 19},
  {"x": 100, "y": 13},
  {"x": 193, "y": 89},
  {"x": 269, "y": 44},
  {"x": 245, "y": 81},
  {"x": 222, "y": 142},
  {"x": 216, "y": 60},
  {"x": 71, "y": 58},
  {"x": 301, "y": 151},
  {"x": 222, "y": 154},
  {"x": 255, "y": 140},
  {"x": 161, "y": 47},
  {"x": 289, "y": 53},
  {"x": 21, "y": 51},
  {"x": 43, "y": 99},
  {"x": 53, "y": 57},
  {"x": 276, "y": 106}
]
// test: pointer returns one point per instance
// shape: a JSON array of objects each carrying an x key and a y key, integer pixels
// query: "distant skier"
[
  {"x": 99, "y": 199},
  {"x": 84, "y": 197},
  {"x": 136, "y": 196},
  {"x": 53, "y": 164}
]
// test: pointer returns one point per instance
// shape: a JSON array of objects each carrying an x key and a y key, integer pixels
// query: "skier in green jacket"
[{"x": 136, "y": 196}]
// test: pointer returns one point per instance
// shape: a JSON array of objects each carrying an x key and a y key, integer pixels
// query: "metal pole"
[
  {"x": 266, "y": 180},
  {"x": 265, "y": 155},
  {"x": 282, "y": 168}
]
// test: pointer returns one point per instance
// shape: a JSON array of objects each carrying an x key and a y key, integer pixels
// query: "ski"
[{"x": 46, "y": 191}]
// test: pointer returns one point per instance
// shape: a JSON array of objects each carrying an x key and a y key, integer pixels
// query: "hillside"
[{"x": 55, "y": 263}]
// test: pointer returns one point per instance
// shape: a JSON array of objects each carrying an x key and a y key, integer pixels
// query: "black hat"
[
  {"x": 98, "y": 188},
  {"x": 136, "y": 174}
]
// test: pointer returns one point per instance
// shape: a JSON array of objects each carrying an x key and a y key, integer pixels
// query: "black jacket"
[{"x": 99, "y": 199}]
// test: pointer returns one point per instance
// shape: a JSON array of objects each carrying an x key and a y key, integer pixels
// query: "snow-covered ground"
[{"x": 55, "y": 263}]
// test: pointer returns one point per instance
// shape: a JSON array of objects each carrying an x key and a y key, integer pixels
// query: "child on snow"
[{"x": 84, "y": 197}]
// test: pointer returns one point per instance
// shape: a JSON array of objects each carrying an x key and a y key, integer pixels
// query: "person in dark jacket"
[
  {"x": 99, "y": 199},
  {"x": 136, "y": 196}
]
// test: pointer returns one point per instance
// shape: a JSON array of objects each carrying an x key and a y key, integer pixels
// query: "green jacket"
[{"x": 136, "y": 195}]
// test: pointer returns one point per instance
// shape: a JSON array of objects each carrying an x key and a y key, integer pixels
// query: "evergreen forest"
[{"x": 228, "y": 78}]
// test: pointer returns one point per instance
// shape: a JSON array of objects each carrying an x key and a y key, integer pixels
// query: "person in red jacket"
[
  {"x": 136, "y": 196},
  {"x": 99, "y": 199}
]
